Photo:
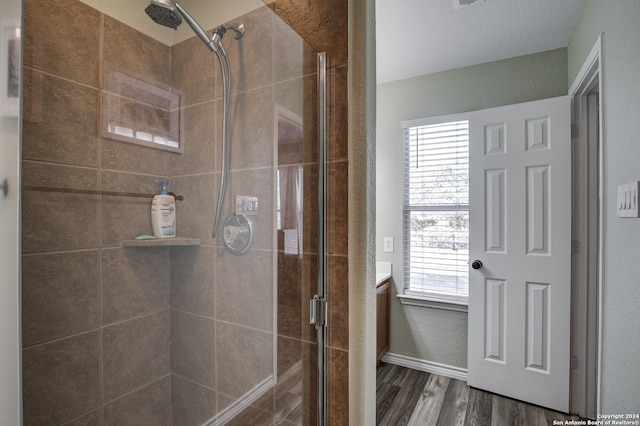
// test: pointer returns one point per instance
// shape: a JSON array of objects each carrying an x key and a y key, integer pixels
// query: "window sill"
[{"x": 429, "y": 301}]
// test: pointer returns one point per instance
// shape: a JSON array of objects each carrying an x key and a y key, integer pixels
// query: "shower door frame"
[{"x": 321, "y": 319}]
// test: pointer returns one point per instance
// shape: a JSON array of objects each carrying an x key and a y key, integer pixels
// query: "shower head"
[
  {"x": 169, "y": 13},
  {"x": 164, "y": 12}
]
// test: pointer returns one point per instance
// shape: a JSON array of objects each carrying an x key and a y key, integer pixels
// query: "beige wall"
[{"x": 429, "y": 334}]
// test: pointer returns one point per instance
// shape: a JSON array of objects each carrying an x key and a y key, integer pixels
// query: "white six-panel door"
[{"x": 520, "y": 227}]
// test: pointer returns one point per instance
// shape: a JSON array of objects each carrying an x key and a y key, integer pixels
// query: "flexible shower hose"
[{"x": 223, "y": 60}]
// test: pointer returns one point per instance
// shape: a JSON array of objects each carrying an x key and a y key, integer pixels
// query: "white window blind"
[{"x": 436, "y": 210}]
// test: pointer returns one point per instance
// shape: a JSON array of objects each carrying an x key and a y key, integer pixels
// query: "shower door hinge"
[{"x": 318, "y": 312}]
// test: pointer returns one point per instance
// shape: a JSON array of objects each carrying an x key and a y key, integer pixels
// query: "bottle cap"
[{"x": 164, "y": 184}]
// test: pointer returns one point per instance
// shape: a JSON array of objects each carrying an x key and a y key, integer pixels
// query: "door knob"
[
  {"x": 476, "y": 264},
  {"x": 4, "y": 187}
]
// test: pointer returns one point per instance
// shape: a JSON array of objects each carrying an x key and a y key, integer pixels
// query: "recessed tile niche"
[{"x": 139, "y": 110}]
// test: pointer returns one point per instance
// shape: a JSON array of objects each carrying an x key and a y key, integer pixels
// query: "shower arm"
[
  {"x": 238, "y": 30},
  {"x": 216, "y": 38}
]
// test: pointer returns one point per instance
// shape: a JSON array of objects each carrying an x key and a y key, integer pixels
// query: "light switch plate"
[
  {"x": 388, "y": 244},
  {"x": 628, "y": 200},
  {"x": 246, "y": 205}
]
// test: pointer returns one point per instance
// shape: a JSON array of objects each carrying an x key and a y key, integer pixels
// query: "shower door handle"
[{"x": 5, "y": 187}]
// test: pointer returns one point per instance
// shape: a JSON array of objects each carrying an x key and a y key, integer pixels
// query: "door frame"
[
  {"x": 10, "y": 295},
  {"x": 587, "y": 231}
]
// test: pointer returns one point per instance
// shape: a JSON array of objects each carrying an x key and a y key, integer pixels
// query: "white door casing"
[
  {"x": 9, "y": 288},
  {"x": 520, "y": 227},
  {"x": 10, "y": 390}
]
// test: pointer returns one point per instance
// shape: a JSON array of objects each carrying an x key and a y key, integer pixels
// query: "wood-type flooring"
[
  {"x": 410, "y": 397},
  {"x": 405, "y": 397}
]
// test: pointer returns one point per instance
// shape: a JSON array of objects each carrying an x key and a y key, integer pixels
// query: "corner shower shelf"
[{"x": 162, "y": 242}]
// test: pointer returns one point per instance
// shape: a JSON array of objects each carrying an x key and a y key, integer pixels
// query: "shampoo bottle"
[{"x": 163, "y": 213}]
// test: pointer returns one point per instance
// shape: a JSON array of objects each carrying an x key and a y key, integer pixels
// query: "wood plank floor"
[{"x": 410, "y": 397}]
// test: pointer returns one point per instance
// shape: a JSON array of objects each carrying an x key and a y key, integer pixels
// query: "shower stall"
[{"x": 119, "y": 328}]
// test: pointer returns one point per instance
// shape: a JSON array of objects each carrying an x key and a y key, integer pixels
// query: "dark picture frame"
[{"x": 9, "y": 68}]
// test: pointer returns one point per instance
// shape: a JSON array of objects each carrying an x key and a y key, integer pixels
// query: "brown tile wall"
[
  {"x": 96, "y": 316},
  {"x": 118, "y": 335}
]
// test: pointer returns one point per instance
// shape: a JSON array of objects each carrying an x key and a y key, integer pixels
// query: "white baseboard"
[
  {"x": 239, "y": 406},
  {"x": 426, "y": 366}
]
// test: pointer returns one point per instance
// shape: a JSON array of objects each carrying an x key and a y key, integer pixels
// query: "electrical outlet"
[
  {"x": 388, "y": 244},
  {"x": 628, "y": 200}
]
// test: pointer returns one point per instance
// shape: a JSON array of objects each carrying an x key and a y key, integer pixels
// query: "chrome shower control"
[{"x": 237, "y": 233}]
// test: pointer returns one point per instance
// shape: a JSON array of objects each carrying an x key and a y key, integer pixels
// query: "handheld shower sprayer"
[{"x": 170, "y": 14}]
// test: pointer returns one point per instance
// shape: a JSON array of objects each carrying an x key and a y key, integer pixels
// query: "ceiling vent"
[{"x": 459, "y": 4}]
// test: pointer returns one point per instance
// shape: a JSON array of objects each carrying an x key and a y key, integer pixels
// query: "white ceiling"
[{"x": 417, "y": 37}]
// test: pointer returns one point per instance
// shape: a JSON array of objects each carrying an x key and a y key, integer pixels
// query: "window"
[{"x": 436, "y": 209}]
